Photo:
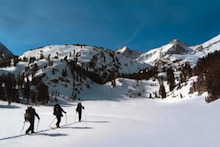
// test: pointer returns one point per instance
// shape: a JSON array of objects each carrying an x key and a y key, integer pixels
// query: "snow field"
[{"x": 125, "y": 123}]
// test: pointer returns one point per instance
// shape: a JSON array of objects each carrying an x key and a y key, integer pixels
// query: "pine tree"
[
  {"x": 162, "y": 91},
  {"x": 15, "y": 59},
  {"x": 113, "y": 83},
  {"x": 43, "y": 94},
  {"x": 208, "y": 71},
  {"x": 8, "y": 84},
  {"x": 26, "y": 90},
  {"x": 170, "y": 78},
  {"x": 34, "y": 69},
  {"x": 186, "y": 72},
  {"x": 64, "y": 72}
]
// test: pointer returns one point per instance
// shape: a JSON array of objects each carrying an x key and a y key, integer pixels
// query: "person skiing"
[
  {"x": 58, "y": 112},
  {"x": 79, "y": 110},
  {"x": 30, "y": 116}
]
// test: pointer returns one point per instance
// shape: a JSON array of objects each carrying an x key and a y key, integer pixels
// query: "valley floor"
[{"x": 122, "y": 123}]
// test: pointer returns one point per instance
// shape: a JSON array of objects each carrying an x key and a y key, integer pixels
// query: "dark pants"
[
  {"x": 31, "y": 127},
  {"x": 58, "y": 120},
  {"x": 80, "y": 115}
]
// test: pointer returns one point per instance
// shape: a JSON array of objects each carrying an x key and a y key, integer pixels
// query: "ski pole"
[
  {"x": 23, "y": 127},
  {"x": 75, "y": 117},
  {"x": 66, "y": 119},
  {"x": 38, "y": 124},
  {"x": 84, "y": 114},
  {"x": 52, "y": 122}
]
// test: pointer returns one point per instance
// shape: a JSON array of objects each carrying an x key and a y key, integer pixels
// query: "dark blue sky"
[{"x": 139, "y": 24}]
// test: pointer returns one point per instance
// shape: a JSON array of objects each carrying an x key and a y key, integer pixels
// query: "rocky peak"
[
  {"x": 127, "y": 52},
  {"x": 178, "y": 47},
  {"x": 5, "y": 53},
  {"x": 178, "y": 42}
]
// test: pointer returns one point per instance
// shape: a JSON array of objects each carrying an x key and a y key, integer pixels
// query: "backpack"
[
  {"x": 79, "y": 107},
  {"x": 55, "y": 109},
  {"x": 27, "y": 114}
]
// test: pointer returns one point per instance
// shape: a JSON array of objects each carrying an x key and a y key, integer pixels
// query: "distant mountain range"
[
  {"x": 78, "y": 66},
  {"x": 177, "y": 52},
  {"x": 174, "y": 53}
]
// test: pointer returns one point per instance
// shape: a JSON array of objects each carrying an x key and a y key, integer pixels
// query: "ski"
[
  {"x": 51, "y": 128},
  {"x": 17, "y": 136},
  {"x": 63, "y": 126},
  {"x": 11, "y": 137}
]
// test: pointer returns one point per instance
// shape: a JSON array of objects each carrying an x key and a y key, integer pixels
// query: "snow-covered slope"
[
  {"x": 83, "y": 64},
  {"x": 87, "y": 54},
  {"x": 207, "y": 47},
  {"x": 174, "y": 47},
  {"x": 177, "y": 52},
  {"x": 123, "y": 122}
]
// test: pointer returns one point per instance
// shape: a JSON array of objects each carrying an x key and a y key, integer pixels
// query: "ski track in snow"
[{"x": 127, "y": 123}]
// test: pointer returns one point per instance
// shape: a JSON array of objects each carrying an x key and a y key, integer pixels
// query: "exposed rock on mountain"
[
  {"x": 179, "y": 47},
  {"x": 127, "y": 52},
  {"x": 5, "y": 53}
]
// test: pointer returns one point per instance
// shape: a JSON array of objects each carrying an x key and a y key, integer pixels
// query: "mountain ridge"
[
  {"x": 75, "y": 68},
  {"x": 179, "y": 50}
]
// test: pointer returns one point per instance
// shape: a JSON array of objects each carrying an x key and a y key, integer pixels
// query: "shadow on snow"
[
  {"x": 79, "y": 127},
  {"x": 98, "y": 121},
  {"x": 8, "y": 107},
  {"x": 53, "y": 134}
]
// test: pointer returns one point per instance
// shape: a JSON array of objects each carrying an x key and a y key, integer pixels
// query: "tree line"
[
  {"x": 208, "y": 72},
  {"x": 18, "y": 89}
]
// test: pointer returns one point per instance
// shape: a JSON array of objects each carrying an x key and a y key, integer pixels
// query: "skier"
[
  {"x": 58, "y": 112},
  {"x": 30, "y": 116},
  {"x": 79, "y": 110}
]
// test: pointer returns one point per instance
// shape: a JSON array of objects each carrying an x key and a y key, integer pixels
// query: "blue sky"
[{"x": 139, "y": 24}]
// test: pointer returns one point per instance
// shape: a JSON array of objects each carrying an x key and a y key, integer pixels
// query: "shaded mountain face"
[
  {"x": 127, "y": 52},
  {"x": 5, "y": 53},
  {"x": 178, "y": 47}
]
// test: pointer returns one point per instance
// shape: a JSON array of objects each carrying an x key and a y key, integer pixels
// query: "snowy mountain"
[
  {"x": 127, "y": 52},
  {"x": 70, "y": 69},
  {"x": 207, "y": 47},
  {"x": 120, "y": 110},
  {"x": 177, "y": 52},
  {"x": 5, "y": 53},
  {"x": 91, "y": 56},
  {"x": 165, "y": 54}
]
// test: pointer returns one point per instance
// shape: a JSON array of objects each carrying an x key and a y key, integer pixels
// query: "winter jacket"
[
  {"x": 30, "y": 114},
  {"x": 58, "y": 110},
  {"x": 79, "y": 108}
]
